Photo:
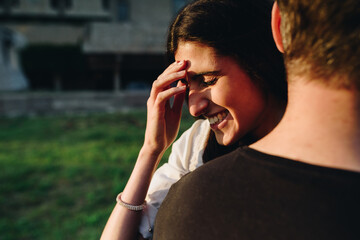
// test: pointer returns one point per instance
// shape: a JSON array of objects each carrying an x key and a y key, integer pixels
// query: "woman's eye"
[{"x": 210, "y": 82}]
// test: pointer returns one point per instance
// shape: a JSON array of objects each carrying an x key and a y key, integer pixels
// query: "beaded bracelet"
[{"x": 129, "y": 206}]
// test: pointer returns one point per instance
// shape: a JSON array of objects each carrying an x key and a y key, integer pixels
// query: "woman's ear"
[{"x": 275, "y": 26}]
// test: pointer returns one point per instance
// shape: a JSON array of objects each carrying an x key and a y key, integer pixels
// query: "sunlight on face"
[{"x": 222, "y": 92}]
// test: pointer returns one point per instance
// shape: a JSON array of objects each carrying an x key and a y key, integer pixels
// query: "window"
[
  {"x": 15, "y": 3},
  {"x": 122, "y": 10},
  {"x": 105, "y": 5},
  {"x": 9, "y": 3},
  {"x": 61, "y": 4}
]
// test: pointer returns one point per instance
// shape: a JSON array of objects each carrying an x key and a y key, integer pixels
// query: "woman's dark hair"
[{"x": 237, "y": 28}]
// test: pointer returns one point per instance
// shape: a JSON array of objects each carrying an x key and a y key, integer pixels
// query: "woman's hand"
[
  {"x": 163, "y": 120},
  {"x": 162, "y": 127}
]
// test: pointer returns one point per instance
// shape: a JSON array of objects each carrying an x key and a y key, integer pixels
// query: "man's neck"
[{"x": 321, "y": 126}]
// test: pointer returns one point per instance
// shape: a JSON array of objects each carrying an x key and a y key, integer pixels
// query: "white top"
[{"x": 186, "y": 155}]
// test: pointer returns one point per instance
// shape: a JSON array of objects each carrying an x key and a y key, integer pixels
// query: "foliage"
[{"x": 60, "y": 175}]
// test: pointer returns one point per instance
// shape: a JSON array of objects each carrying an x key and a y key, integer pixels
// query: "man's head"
[{"x": 321, "y": 40}]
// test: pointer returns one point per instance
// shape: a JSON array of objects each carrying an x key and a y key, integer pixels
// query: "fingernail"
[{"x": 180, "y": 62}]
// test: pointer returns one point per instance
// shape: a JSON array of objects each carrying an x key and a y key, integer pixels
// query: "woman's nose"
[{"x": 197, "y": 103}]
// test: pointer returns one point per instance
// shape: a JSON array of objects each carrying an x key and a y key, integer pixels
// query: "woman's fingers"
[
  {"x": 175, "y": 66},
  {"x": 162, "y": 91},
  {"x": 159, "y": 94},
  {"x": 164, "y": 96},
  {"x": 164, "y": 81},
  {"x": 179, "y": 98},
  {"x": 160, "y": 114},
  {"x": 173, "y": 73}
]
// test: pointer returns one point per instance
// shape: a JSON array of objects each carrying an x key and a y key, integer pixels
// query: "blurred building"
[{"x": 91, "y": 44}]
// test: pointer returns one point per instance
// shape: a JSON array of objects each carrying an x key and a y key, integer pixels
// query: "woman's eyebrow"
[{"x": 207, "y": 73}]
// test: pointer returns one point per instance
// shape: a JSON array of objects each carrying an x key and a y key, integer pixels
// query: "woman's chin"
[{"x": 222, "y": 140}]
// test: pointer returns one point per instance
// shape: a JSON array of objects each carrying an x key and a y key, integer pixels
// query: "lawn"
[{"x": 60, "y": 175}]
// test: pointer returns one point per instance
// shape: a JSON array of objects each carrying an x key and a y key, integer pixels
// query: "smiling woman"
[
  {"x": 215, "y": 83},
  {"x": 233, "y": 78}
]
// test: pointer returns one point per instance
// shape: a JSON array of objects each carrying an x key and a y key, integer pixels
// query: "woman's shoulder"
[
  {"x": 199, "y": 130},
  {"x": 189, "y": 148},
  {"x": 200, "y": 124}
]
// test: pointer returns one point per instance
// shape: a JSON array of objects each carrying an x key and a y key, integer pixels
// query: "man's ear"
[{"x": 275, "y": 26}]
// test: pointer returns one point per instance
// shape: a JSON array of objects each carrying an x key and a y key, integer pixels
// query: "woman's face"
[{"x": 223, "y": 93}]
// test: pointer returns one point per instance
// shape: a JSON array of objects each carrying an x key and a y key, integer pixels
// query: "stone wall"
[{"x": 32, "y": 104}]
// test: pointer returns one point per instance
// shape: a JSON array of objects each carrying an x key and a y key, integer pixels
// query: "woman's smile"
[{"x": 216, "y": 119}]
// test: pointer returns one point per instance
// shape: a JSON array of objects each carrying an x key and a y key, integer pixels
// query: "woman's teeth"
[{"x": 218, "y": 118}]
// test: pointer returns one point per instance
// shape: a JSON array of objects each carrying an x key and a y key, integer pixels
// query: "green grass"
[{"x": 60, "y": 175}]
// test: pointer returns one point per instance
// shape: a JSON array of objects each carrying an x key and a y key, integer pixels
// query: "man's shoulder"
[
  {"x": 267, "y": 194},
  {"x": 230, "y": 162},
  {"x": 214, "y": 167},
  {"x": 225, "y": 167}
]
